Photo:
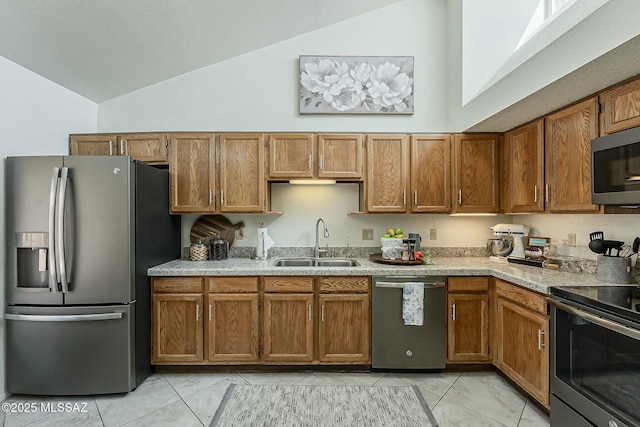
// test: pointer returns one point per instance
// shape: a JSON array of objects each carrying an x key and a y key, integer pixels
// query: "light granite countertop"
[{"x": 534, "y": 278}]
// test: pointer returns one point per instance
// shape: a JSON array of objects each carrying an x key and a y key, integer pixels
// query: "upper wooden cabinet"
[
  {"x": 387, "y": 173},
  {"x": 192, "y": 177},
  {"x": 430, "y": 185},
  {"x": 152, "y": 148},
  {"x": 339, "y": 156},
  {"x": 523, "y": 163},
  {"x": 568, "y": 135},
  {"x": 241, "y": 166},
  {"x": 620, "y": 108},
  {"x": 475, "y": 173},
  {"x": 291, "y": 155}
]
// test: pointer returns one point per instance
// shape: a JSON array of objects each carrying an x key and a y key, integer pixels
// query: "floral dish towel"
[{"x": 413, "y": 303}]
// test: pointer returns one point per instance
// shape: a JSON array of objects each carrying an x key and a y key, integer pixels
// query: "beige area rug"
[{"x": 299, "y": 405}]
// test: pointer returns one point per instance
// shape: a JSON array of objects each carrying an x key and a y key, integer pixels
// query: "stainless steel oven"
[{"x": 595, "y": 356}]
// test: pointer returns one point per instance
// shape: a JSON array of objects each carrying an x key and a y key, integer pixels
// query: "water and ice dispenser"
[{"x": 32, "y": 264}]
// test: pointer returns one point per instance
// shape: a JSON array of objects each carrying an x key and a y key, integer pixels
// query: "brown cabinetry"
[
  {"x": 475, "y": 173},
  {"x": 430, "y": 185},
  {"x": 177, "y": 323},
  {"x": 568, "y": 135},
  {"x": 152, "y": 148},
  {"x": 241, "y": 166},
  {"x": 387, "y": 173},
  {"x": 521, "y": 331},
  {"x": 233, "y": 320},
  {"x": 468, "y": 322},
  {"x": 620, "y": 108},
  {"x": 523, "y": 162},
  {"x": 339, "y": 156},
  {"x": 291, "y": 155}
]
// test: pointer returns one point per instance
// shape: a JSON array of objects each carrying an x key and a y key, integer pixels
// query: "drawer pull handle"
[{"x": 453, "y": 312}]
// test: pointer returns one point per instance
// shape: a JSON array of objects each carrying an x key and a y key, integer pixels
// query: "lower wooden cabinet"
[
  {"x": 521, "y": 331},
  {"x": 236, "y": 320},
  {"x": 468, "y": 323}
]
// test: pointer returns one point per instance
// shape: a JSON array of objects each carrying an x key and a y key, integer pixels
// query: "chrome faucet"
[{"x": 316, "y": 248}]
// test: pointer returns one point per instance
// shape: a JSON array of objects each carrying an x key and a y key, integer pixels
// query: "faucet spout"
[{"x": 316, "y": 248}]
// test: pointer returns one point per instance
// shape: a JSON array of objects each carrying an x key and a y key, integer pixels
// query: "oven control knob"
[
  {"x": 613, "y": 424},
  {"x": 410, "y": 353}
]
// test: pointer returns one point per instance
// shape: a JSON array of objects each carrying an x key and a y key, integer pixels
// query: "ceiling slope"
[{"x": 103, "y": 49}]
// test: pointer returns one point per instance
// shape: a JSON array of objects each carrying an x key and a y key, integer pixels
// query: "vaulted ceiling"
[{"x": 105, "y": 48}]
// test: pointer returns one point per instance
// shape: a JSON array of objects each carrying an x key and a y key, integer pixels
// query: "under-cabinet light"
[
  {"x": 312, "y": 181},
  {"x": 473, "y": 214}
]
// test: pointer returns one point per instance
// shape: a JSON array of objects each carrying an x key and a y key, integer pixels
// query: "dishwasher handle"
[{"x": 400, "y": 285}]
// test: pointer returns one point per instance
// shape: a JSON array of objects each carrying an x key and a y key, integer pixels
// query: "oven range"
[{"x": 595, "y": 356}]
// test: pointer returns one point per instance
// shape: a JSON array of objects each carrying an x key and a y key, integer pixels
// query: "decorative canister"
[
  {"x": 198, "y": 251},
  {"x": 219, "y": 248}
]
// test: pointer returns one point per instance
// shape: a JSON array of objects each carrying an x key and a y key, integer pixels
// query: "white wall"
[
  {"x": 36, "y": 118},
  {"x": 259, "y": 91}
]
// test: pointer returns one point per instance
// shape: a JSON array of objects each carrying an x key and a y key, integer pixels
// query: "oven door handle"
[{"x": 605, "y": 323}]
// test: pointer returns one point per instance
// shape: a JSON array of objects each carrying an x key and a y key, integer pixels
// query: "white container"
[{"x": 391, "y": 248}]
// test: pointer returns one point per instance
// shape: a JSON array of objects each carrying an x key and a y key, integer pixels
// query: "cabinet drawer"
[
  {"x": 177, "y": 284},
  {"x": 288, "y": 284},
  {"x": 529, "y": 299},
  {"x": 466, "y": 284},
  {"x": 345, "y": 284},
  {"x": 232, "y": 284}
]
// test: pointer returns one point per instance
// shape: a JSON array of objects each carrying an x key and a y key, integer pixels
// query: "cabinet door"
[
  {"x": 468, "y": 328},
  {"x": 93, "y": 145},
  {"x": 344, "y": 328},
  {"x": 430, "y": 182},
  {"x": 288, "y": 328},
  {"x": 524, "y": 164},
  {"x": 387, "y": 173},
  {"x": 291, "y": 155},
  {"x": 521, "y": 350},
  {"x": 475, "y": 173},
  {"x": 192, "y": 172},
  {"x": 340, "y": 156},
  {"x": 233, "y": 328},
  {"x": 152, "y": 148},
  {"x": 177, "y": 328},
  {"x": 568, "y": 136},
  {"x": 620, "y": 108},
  {"x": 242, "y": 180}
]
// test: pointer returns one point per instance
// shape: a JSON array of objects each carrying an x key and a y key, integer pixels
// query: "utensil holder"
[{"x": 613, "y": 269}]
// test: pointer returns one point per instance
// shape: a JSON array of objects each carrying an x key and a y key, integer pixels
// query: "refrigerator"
[{"x": 81, "y": 232}]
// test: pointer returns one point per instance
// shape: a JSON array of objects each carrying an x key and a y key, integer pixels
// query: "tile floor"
[{"x": 185, "y": 400}]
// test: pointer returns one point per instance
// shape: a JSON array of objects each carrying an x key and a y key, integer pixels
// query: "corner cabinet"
[
  {"x": 521, "y": 337},
  {"x": 523, "y": 163},
  {"x": 151, "y": 148},
  {"x": 568, "y": 135},
  {"x": 468, "y": 322},
  {"x": 387, "y": 173},
  {"x": 475, "y": 173}
]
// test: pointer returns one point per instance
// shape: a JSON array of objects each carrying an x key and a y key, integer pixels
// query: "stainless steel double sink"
[{"x": 316, "y": 262}]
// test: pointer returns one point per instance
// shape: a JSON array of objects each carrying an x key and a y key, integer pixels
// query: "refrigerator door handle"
[
  {"x": 54, "y": 274},
  {"x": 63, "y": 318},
  {"x": 60, "y": 249}
]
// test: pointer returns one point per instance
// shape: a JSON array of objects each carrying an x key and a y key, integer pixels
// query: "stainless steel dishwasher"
[{"x": 397, "y": 346}]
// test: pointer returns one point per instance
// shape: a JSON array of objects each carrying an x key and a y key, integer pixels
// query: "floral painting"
[{"x": 356, "y": 85}]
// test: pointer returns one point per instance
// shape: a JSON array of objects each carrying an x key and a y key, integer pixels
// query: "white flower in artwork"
[
  {"x": 318, "y": 78},
  {"x": 389, "y": 87}
]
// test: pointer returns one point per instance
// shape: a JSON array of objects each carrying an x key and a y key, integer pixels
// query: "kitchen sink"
[{"x": 310, "y": 262}]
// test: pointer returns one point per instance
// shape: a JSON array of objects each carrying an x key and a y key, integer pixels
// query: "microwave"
[{"x": 615, "y": 169}]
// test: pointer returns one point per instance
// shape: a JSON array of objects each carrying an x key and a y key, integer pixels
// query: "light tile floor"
[{"x": 185, "y": 400}]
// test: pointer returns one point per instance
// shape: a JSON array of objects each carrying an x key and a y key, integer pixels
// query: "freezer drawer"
[
  {"x": 70, "y": 350},
  {"x": 397, "y": 346}
]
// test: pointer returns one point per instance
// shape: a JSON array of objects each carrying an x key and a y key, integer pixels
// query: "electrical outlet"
[
  {"x": 571, "y": 239},
  {"x": 367, "y": 234},
  {"x": 433, "y": 234}
]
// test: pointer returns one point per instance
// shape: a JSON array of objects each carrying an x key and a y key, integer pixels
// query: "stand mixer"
[{"x": 516, "y": 232}]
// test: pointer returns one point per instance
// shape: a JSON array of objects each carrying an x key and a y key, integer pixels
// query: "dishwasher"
[{"x": 395, "y": 345}]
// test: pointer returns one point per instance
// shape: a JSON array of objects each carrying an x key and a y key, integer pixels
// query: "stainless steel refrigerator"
[{"x": 81, "y": 232}]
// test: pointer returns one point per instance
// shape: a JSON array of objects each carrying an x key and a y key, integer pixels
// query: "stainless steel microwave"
[{"x": 615, "y": 169}]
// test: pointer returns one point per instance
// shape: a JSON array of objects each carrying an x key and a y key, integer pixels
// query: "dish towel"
[{"x": 413, "y": 303}]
